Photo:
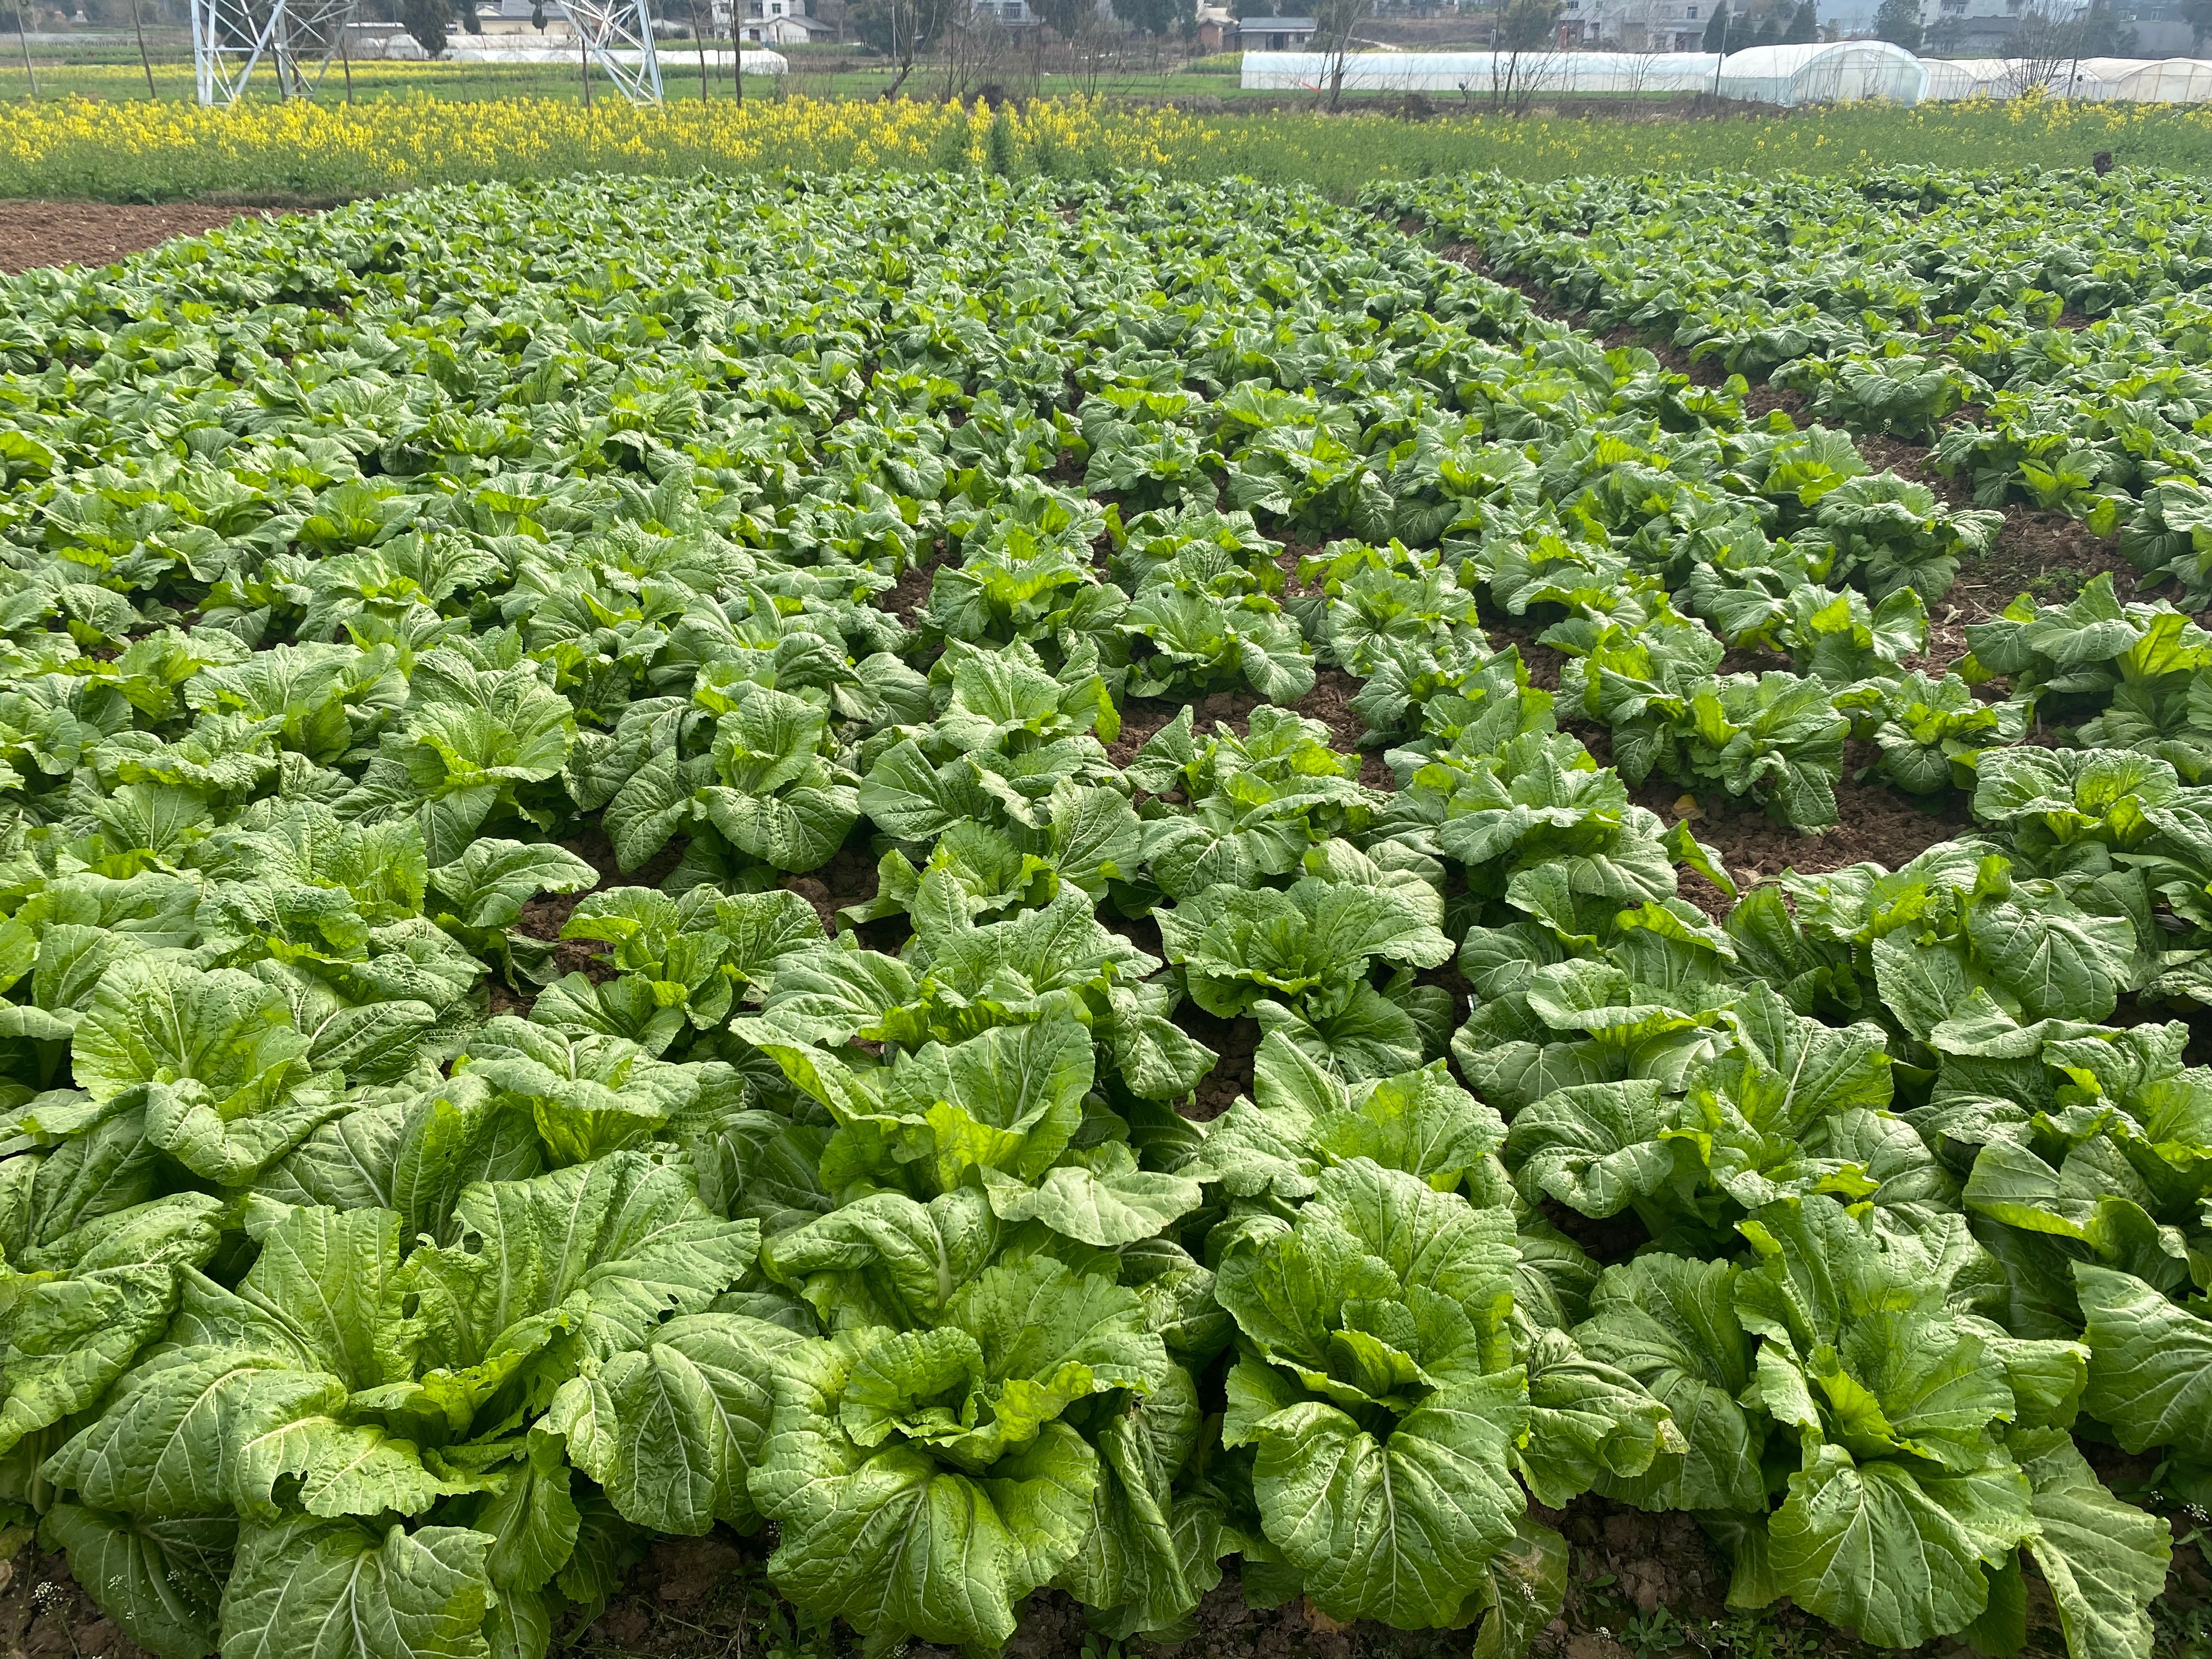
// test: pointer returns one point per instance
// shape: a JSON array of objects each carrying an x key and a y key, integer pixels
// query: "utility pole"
[
  {"x": 23, "y": 35},
  {"x": 140, "y": 27}
]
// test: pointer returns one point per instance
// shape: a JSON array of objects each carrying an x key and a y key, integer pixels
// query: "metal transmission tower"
[
  {"x": 609, "y": 26},
  {"x": 296, "y": 39}
]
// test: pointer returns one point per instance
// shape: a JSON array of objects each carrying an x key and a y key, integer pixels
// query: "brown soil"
[
  {"x": 95, "y": 233},
  {"x": 2046, "y": 555},
  {"x": 2050, "y": 555},
  {"x": 848, "y": 878},
  {"x": 44, "y": 1615},
  {"x": 1142, "y": 719},
  {"x": 1329, "y": 702},
  {"x": 544, "y": 918},
  {"x": 1885, "y": 454},
  {"x": 1763, "y": 400},
  {"x": 911, "y": 591},
  {"x": 1235, "y": 1041},
  {"x": 1640, "y": 1586},
  {"x": 1543, "y": 662},
  {"x": 1875, "y": 823}
]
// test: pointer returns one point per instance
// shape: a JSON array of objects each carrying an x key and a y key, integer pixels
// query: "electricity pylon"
[
  {"x": 233, "y": 38},
  {"x": 611, "y": 26}
]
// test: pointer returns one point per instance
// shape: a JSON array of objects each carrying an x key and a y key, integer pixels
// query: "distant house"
[
  {"x": 2161, "y": 28},
  {"x": 1217, "y": 28},
  {"x": 783, "y": 23},
  {"x": 1275, "y": 34},
  {"x": 1648, "y": 24},
  {"x": 1986, "y": 29}
]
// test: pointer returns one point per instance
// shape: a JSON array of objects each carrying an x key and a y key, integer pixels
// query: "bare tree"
[
  {"x": 902, "y": 30},
  {"x": 1071, "y": 23},
  {"x": 2041, "y": 52},
  {"x": 1643, "y": 67},
  {"x": 1085, "y": 29},
  {"x": 1525, "y": 57},
  {"x": 1334, "y": 22},
  {"x": 2046, "y": 49},
  {"x": 975, "y": 42}
]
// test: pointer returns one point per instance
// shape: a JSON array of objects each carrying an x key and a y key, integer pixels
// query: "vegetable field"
[{"x": 1046, "y": 889}]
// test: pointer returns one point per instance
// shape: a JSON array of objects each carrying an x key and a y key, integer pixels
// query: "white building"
[
  {"x": 1973, "y": 27},
  {"x": 1642, "y": 24},
  {"x": 1276, "y": 34},
  {"x": 781, "y": 23}
]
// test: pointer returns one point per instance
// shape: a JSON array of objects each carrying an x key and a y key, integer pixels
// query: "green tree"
[
  {"x": 2197, "y": 13},
  {"x": 2106, "y": 34},
  {"x": 1065, "y": 18},
  {"x": 1898, "y": 21},
  {"x": 1716, "y": 30},
  {"x": 426, "y": 20},
  {"x": 1527, "y": 25},
  {"x": 1804, "y": 25},
  {"x": 1158, "y": 17}
]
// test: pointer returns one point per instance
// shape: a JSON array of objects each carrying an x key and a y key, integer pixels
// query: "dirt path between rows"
[{"x": 98, "y": 233}]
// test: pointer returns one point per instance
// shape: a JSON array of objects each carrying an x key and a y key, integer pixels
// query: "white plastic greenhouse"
[
  {"x": 1951, "y": 80},
  {"x": 2078, "y": 78},
  {"x": 2150, "y": 81},
  {"x": 1835, "y": 72},
  {"x": 1479, "y": 72},
  {"x": 2089, "y": 80},
  {"x": 1824, "y": 72}
]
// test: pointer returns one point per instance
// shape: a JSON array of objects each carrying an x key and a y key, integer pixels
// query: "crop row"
[
  {"x": 461, "y": 650},
  {"x": 2047, "y": 332}
]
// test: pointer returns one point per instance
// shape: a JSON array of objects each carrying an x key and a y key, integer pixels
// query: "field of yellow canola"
[{"x": 82, "y": 147}]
